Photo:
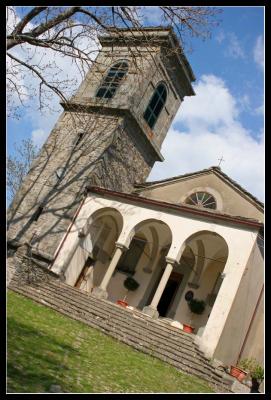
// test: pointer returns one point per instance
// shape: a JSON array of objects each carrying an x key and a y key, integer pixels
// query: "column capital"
[
  {"x": 121, "y": 246},
  {"x": 171, "y": 261}
]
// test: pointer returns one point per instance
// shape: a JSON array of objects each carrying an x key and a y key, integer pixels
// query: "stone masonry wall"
[
  {"x": 107, "y": 156},
  {"x": 105, "y": 142}
]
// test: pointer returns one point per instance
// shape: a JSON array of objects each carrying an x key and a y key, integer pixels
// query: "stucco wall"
[
  {"x": 228, "y": 199},
  {"x": 207, "y": 281},
  {"x": 254, "y": 343},
  {"x": 241, "y": 312},
  {"x": 235, "y": 302}
]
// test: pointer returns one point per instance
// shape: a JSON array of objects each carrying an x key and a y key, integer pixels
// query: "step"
[
  {"x": 116, "y": 310},
  {"x": 120, "y": 310},
  {"x": 129, "y": 319},
  {"x": 199, "y": 368},
  {"x": 139, "y": 346},
  {"x": 124, "y": 329}
]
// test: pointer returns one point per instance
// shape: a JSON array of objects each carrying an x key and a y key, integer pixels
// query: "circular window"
[{"x": 201, "y": 199}]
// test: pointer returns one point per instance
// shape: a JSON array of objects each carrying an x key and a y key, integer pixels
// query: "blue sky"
[
  {"x": 224, "y": 118},
  {"x": 230, "y": 55}
]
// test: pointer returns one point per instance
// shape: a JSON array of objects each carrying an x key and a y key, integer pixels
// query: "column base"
[
  {"x": 99, "y": 293},
  {"x": 152, "y": 312}
]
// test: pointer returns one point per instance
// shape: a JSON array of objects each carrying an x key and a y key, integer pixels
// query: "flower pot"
[
  {"x": 238, "y": 373},
  {"x": 122, "y": 303},
  {"x": 188, "y": 328}
]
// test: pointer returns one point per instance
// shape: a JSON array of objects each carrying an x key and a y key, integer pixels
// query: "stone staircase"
[{"x": 153, "y": 337}]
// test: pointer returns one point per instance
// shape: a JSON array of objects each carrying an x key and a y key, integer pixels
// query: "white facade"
[{"x": 193, "y": 248}]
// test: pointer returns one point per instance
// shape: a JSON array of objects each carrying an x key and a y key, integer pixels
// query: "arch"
[
  {"x": 152, "y": 262},
  {"x": 200, "y": 260},
  {"x": 153, "y": 250},
  {"x": 147, "y": 222},
  {"x": 96, "y": 242},
  {"x": 211, "y": 253},
  {"x": 112, "y": 80},
  {"x": 156, "y": 104},
  {"x": 105, "y": 212},
  {"x": 190, "y": 238}
]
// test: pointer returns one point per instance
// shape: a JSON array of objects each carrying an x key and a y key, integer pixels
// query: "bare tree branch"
[
  {"x": 56, "y": 30},
  {"x": 19, "y": 164},
  {"x": 28, "y": 17},
  {"x": 31, "y": 68}
]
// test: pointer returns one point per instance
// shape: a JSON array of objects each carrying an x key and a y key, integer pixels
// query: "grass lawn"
[{"x": 46, "y": 348}]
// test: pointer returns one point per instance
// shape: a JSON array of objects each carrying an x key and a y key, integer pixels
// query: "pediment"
[{"x": 230, "y": 197}]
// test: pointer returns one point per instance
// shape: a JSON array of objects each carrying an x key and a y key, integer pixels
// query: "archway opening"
[
  {"x": 202, "y": 278},
  {"x": 95, "y": 249},
  {"x": 149, "y": 238}
]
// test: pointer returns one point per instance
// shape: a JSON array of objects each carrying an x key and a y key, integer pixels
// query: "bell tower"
[{"x": 109, "y": 134}]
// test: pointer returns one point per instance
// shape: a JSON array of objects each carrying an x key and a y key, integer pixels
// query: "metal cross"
[{"x": 220, "y": 160}]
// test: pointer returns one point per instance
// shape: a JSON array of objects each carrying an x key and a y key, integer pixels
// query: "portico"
[{"x": 198, "y": 247}]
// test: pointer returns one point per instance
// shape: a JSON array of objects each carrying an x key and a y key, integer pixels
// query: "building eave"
[{"x": 186, "y": 209}]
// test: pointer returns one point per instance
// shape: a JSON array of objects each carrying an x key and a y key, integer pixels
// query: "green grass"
[{"x": 45, "y": 348}]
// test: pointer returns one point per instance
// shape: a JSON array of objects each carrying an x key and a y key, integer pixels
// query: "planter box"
[
  {"x": 238, "y": 373},
  {"x": 188, "y": 328},
  {"x": 122, "y": 303}
]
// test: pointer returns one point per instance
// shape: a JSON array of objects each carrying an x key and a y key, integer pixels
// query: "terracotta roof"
[
  {"x": 213, "y": 214},
  {"x": 216, "y": 170}
]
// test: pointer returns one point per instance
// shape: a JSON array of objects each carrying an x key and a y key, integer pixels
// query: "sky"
[{"x": 224, "y": 119}]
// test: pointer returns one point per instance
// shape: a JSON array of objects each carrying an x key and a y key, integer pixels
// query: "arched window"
[
  {"x": 201, "y": 199},
  {"x": 155, "y": 105},
  {"x": 112, "y": 80}
]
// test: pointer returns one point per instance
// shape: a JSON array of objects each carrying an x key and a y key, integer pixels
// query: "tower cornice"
[{"x": 90, "y": 105}]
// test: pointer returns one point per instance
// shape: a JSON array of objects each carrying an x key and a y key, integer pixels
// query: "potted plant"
[
  {"x": 130, "y": 284},
  {"x": 196, "y": 307},
  {"x": 243, "y": 368},
  {"x": 257, "y": 375},
  {"x": 249, "y": 366}
]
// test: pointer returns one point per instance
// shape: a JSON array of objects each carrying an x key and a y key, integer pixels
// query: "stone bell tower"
[{"x": 109, "y": 134}]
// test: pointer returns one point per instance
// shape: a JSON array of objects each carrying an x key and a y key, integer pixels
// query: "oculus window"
[
  {"x": 201, "y": 199},
  {"x": 155, "y": 105},
  {"x": 112, "y": 80}
]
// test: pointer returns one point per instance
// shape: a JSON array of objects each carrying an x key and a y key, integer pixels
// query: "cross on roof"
[{"x": 220, "y": 160}]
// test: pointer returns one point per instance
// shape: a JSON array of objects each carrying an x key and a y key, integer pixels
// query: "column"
[
  {"x": 152, "y": 308},
  {"x": 101, "y": 291}
]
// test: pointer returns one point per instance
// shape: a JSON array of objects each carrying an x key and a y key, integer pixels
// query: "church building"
[{"x": 89, "y": 216}]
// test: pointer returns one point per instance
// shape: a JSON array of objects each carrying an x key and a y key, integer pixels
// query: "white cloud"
[
  {"x": 51, "y": 64},
  {"x": 258, "y": 52},
  {"x": 61, "y": 69},
  {"x": 39, "y": 136},
  {"x": 244, "y": 103},
  {"x": 234, "y": 48},
  {"x": 12, "y": 19},
  {"x": 212, "y": 105},
  {"x": 220, "y": 37},
  {"x": 212, "y": 129},
  {"x": 260, "y": 110}
]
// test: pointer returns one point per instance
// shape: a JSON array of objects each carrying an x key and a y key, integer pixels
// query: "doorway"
[
  {"x": 169, "y": 292},
  {"x": 84, "y": 275}
]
